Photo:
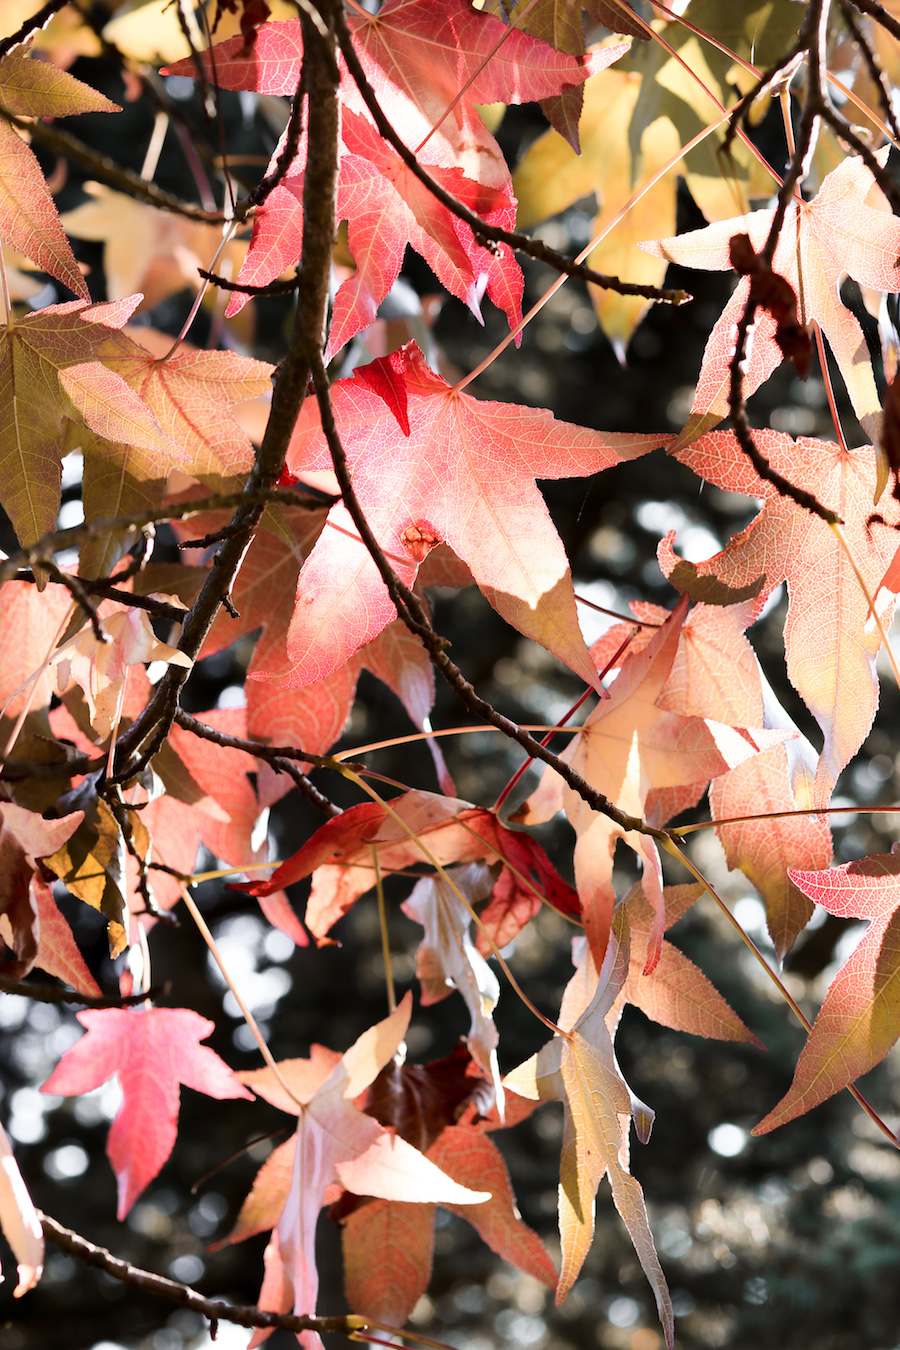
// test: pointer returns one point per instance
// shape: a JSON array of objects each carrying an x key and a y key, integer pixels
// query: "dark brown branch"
[
  {"x": 876, "y": 74},
  {"x": 742, "y": 108},
  {"x": 258, "y": 749},
  {"x": 485, "y": 233},
  {"x": 32, "y": 25},
  {"x": 182, "y": 1295},
  {"x": 107, "y": 171},
  {"x": 247, "y": 288},
  {"x": 51, "y": 993},
  {"x": 843, "y": 130},
  {"x": 78, "y": 593},
  {"x": 151, "y": 727},
  {"x": 160, "y": 609},
  {"x": 267, "y": 185},
  {"x": 414, "y": 615},
  {"x": 309, "y": 499},
  {"x": 881, "y": 15}
]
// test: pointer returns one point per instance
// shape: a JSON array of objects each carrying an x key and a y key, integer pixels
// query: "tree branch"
[
  {"x": 51, "y": 993},
  {"x": 149, "y": 730},
  {"x": 107, "y": 171},
  {"x": 32, "y": 25},
  {"x": 813, "y": 42},
  {"x": 280, "y": 757},
  {"x": 182, "y": 1295},
  {"x": 56, "y": 540},
  {"x": 881, "y": 15}
]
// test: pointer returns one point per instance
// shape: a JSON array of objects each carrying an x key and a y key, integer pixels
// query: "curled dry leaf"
[{"x": 580, "y": 1070}]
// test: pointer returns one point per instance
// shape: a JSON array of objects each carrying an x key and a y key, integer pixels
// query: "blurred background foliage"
[{"x": 792, "y": 1240}]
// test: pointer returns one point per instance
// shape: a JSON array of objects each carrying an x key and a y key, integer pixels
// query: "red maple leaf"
[
  {"x": 151, "y": 1051},
  {"x": 858, "y": 1022},
  {"x": 339, "y": 858},
  {"x": 463, "y": 475},
  {"x": 430, "y": 64}
]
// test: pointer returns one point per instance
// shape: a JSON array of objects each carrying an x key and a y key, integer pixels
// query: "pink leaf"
[{"x": 152, "y": 1051}]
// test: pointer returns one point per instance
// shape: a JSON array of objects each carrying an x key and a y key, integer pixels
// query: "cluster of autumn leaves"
[{"x": 447, "y": 483}]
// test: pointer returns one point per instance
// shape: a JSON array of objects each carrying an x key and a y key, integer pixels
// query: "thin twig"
[
  {"x": 278, "y": 757},
  {"x": 876, "y": 74},
  {"x": 277, "y": 287},
  {"x": 813, "y": 41},
  {"x": 51, "y": 993},
  {"x": 106, "y": 170},
  {"x": 32, "y": 25},
  {"x": 416, "y": 618},
  {"x": 308, "y": 499},
  {"x": 149, "y": 730},
  {"x": 881, "y": 15},
  {"x": 286, "y": 155},
  {"x": 844, "y": 132}
]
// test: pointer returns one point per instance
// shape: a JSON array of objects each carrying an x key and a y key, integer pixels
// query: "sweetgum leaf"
[
  {"x": 859, "y": 1020},
  {"x": 152, "y": 1051},
  {"x": 465, "y": 475}
]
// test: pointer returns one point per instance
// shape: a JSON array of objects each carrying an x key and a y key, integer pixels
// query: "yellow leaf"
[{"x": 152, "y": 32}]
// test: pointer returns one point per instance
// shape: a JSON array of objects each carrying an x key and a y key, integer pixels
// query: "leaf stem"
[
  {"x": 215, "y": 952},
  {"x": 645, "y": 187},
  {"x": 683, "y": 830},
  {"x": 870, "y": 599},
  {"x": 385, "y": 936},
  {"x": 411, "y": 737}
]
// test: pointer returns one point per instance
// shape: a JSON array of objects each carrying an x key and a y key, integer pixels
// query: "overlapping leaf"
[
  {"x": 846, "y": 230},
  {"x": 28, "y": 217},
  {"x": 463, "y": 474},
  {"x": 632, "y": 746},
  {"x": 859, "y": 1020},
  {"x": 430, "y": 65},
  {"x": 716, "y": 673},
  {"x": 418, "y": 827},
  {"x": 830, "y": 642},
  {"x": 337, "y": 1143}
]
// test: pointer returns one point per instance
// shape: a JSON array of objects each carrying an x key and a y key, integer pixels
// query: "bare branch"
[
  {"x": 107, "y": 171},
  {"x": 812, "y": 40},
  {"x": 876, "y": 74},
  {"x": 881, "y": 15},
  {"x": 308, "y": 499},
  {"x": 32, "y": 25},
  {"x": 149, "y": 730},
  {"x": 182, "y": 1295},
  {"x": 51, "y": 993}
]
